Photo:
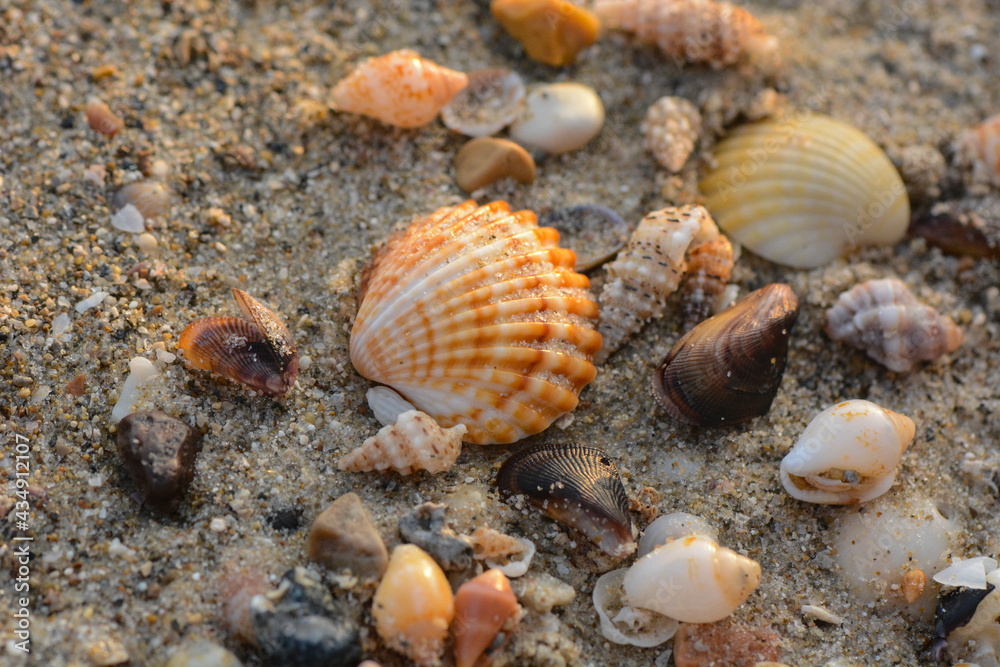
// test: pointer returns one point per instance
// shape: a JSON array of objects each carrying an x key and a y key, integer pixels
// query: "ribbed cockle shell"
[
  {"x": 575, "y": 485},
  {"x": 482, "y": 607},
  {"x": 257, "y": 351},
  {"x": 399, "y": 88},
  {"x": 848, "y": 454},
  {"x": 728, "y": 369},
  {"x": 476, "y": 317}
]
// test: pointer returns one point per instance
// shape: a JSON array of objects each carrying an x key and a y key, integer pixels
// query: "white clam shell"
[
  {"x": 623, "y": 624},
  {"x": 386, "y": 404},
  {"x": 692, "y": 579},
  {"x": 559, "y": 117},
  {"x": 848, "y": 454},
  {"x": 670, "y": 527}
]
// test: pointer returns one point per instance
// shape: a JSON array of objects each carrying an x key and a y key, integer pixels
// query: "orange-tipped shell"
[
  {"x": 482, "y": 607},
  {"x": 102, "y": 119}
]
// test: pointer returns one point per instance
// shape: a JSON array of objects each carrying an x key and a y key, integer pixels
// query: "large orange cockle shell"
[{"x": 475, "y": 315}]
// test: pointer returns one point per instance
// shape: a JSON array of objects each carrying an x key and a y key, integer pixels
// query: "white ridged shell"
[
  {"x": 804, "y": 190},
  {"x": 414, "y": 442},
  {"x": 848, "y": 454},
  {"x": 475, "y": 315}
]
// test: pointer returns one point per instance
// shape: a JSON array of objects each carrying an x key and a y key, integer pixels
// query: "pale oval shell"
[
  {"x": 848, "y": 454},
  {"x": 399, "y": 88},
  {"x": 151, "y": 198},
  {"x": 671, "y": 527},
  {"x": 414, "y": 442},
  {"x": 805, "y": 190},
  {"x": 488, "y": 104},
  {"x": 476, "y": 317},
  {"x": 559, "y": 117},
  {"x": 102, "y": 119}
]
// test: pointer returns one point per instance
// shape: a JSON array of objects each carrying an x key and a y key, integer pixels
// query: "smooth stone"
[
  {"x": 426, "y": 527},
  {"x": 203, "y": 653},
  {"x": 159, "y": 453},
  {"x": 343, "y": 536},
  {"x": 487, "y": 160},
  {"x": 559, "y": 117}
]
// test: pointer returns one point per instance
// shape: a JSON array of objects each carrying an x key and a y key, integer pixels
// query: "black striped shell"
[
  {"x": 727, "y": 370},
  {"x": 575, "y": 485}
]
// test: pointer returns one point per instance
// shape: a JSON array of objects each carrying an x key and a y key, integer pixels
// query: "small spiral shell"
[
  {"x": 671, "y": 128},
  {"x": 709, "y": 267},
  {"x": 414, "y": 442},
  {"x": 483, "y": 606}
]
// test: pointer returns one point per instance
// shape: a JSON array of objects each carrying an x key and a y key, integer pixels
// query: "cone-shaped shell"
[
  {"x": 728, "y": 369},
  {"x": 476, "y": 317},
  {"x": 802, "y": 191},
  {"x": 413, "y": 605},
  {"x": 575, "y": 485},
  {"x": 258, "y": 351},
  {"x": 848, "y": 454},
  {"x": 414, "y": 442},
  {"x": 482, "y": 607},
  {"x": 692, "y": 579},
  {"x": 399, "y": 88}
]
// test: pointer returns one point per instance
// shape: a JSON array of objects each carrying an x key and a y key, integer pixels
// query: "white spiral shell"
[{"x": 414, "y": 442}]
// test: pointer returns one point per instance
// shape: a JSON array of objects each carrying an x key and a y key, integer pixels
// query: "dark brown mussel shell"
[
  {"x": 959, "y": 233},
  {"x": 258, "y": 352},
  {"x": 727, "y": 369},
  {"x": 574, "y": 485}
]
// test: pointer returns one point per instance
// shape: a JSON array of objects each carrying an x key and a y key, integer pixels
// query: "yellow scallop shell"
[
  {"x": 803, "y": 190},
  {"x": 475, "y": 315}
]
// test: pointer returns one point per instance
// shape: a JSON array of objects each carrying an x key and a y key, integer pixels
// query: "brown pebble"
[
  {"x": 102, "y": 119},
  {"x": 159, "y": 453},
  {"x": 22, "y": 381},
  {"x": 237, "y": 588},
  {"x": 103, "y": 72},
  {"x": 913, "y": 585},
  {"x": 77, "y": 386},
  {"x": 705, "y": 644},
  {"x": 552, "y": 31},
  {"x": 343, "y": 536},
  {"x": 487, "y": 160}
]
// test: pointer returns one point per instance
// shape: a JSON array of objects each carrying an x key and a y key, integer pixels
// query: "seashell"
[
  {"x": 671, "y": 128},
  {"x": 958, "y": 232},
  {"x": 489, "y": 103},
  {"x": 695, "y": 31},
  {"x": 552, "y": 31},
  {"x": 151, "y": 198},
  {"x": 805, "y": 190},
  {"x": 594, "y": 232},
  {"x": 487, "y": 160},
  {"x": 491, "y": 544},
  {"x": 519, "y": 567},
  {"x": 575, "y": 485},
  {"x": 129, "y": 219},
  {"x": 980, "y": 147},
  {"x": 102, "y": 119},
  {"x": 475, "y": 316},
  {"x": 413, "y": 605},
  {"x": 414, "y": 442},
  {"x": 913, "y": 584},
  {"x": 968, "y": 572},
  {"x": 648, "y": 271},
  {"x": 727, "y": 370},
  {"x": 399, "y": 88},
  {"x": 671, "y": 527},
  {"x": 386, "y": 404},
  {"x": 691, "y": 579},
  {"x": 623, "y": 624},
  {"x": 709, "y": 267},
  {"x": 559, "y": 117},
  {"x": 847, "y": 455},
  {"x": 257, "y": 351},
  {"x": 883, "y": 318},
  {"x": 958, "y": 609},
  {"x": 483, "y": 606}
]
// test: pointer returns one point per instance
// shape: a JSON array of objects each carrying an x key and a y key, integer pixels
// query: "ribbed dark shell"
[
  {"x": 727, "y": 369},
  {"x": 575, "y": 485}
]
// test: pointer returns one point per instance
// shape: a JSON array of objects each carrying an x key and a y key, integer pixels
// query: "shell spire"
[
  {"x": 414, "y": 442},
  {"x": 483, "y": 606}
]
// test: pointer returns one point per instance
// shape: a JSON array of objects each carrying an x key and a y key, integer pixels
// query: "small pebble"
[
  {"x": 237, "y": 589},
  {"x": 922, "y": 168},
  {"x": 159, "y": 452},
  {"x": 22, "y": 381},
  {"x": 488, "y": 104},
  {"x": 146, "y": 242},
  {"x": 426, "y": 526},
  {"x": 343, "y": 536},
  {"x": 102, "y": 119},
  {"x": 91, "y": 301},
  {"x": 203, "y": 653},
  {"x": 707, "y": 644},
  {"x": 106, "y": 652},
  {"x": 61, "y": 324},
  {"x": 486, "y": 160},
  {"x": 542, "y": 592},
  {"x": 129, "y": 219},
  {"x": 77, "y": 386},
  {"x": 552, "y": 31},
  {"x": 559, "y": 117},
  {"x": 671, "y": 127}
]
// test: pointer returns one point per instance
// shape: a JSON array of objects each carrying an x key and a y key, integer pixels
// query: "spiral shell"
[
  {"x": 102, "y": 119},
  {"x": 710, "y": 265},
  {"x": 671, "y": 128},
  {"x": 696, "y": 31},
  {"x": 883, "y": 318},
  {"x": 414, "y": 442},
  {"x": 980, "y": 147},
  {"x": 728, "y": 369},
  {"x": 483, "y": 606},
  {"x": 476, "y": 317},
  {"x": 847, "y": 455},
  {"x": 804, "y": 190},
  {"x": 399, "y": 88}
]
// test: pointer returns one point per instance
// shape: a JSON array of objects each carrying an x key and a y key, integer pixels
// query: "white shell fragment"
[
  {"x": 129, "y": 219},
  {"x": 91, "y": 301},
  {"x": 671, "y": 128},
  {"x": 387, "y": 405},
  {"x": 883, "y": 318},
  {"x": 821, "y": 614},
  {"x": 515, "y": 567},
  {"x": 414, "y": 442},
  {"x": 623, "y": 624},
  {"x": 140, "y": 371},
  {"x": 970, "y": 573},
  {"x": 559, "y": 117},
  {"x": 848, "y": 454},
  {"x": 488, "y": 104}
]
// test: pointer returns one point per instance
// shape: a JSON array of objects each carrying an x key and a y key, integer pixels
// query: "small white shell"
[
  {"x": 516, "y": 568},
  {"x": 848, "y": 454},
  {"x": 670, "y": 527},
  {"x": 414, "y": 442},
  {"x": 671, "y": 128},
  {"x": 559, "y": 117},
  {"x": 387, "y": 405},
  {"x": 692, "y": 579},
  {"x": 623, "y": 624}
]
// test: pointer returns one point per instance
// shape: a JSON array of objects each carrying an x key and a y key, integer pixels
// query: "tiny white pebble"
[
  {"x": 305, "y": 361},
  {"x": 217, "y": 525}
]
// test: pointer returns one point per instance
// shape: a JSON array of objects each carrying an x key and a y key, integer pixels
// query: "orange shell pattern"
[{"x": 476, "y": 316}]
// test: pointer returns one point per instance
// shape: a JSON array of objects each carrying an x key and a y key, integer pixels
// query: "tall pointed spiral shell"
[
  {"x": 399, "y": 88},
  {"x": 803, "y": 190},
  {"x": 414, "y": 442},
  {"x": 475, "y": 316},
  {"x": 483, "y": 606}
]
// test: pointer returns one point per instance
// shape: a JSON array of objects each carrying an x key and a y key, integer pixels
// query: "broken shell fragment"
[
  {"x": 475, "y": 315},
  {"x": 386, "y": 404},
  {"x": 258, "y": 351},
  {"x": 883, "y": 318},
  {"x": 488, "y": 104},
  {"x": 559, "y": 117},
  {"x": 671, "y": 128},
  {"x": 487, "y": 160},
  {"x": 552, "y": 31},
  {"x": 413, "y": 605},
  {"x": 671, "y": 527},
  {"x": 913, "y": 584},
  {"x": 102, "y": 119},
  {"x": 483, "y": 606},
  {"x": 414, "y": 442},
  {"x": 805, "y": 191},
  {"x": 848, "y": 454},
  {"x": 728, "y": 369},
  {"x": 151, "y": 198},
  {"x": 624, "y": 624},
  {"x": 574, "y": 485},
  {"x": 399, "y": 88},
  {"x": 594, "y": 232},
  {"x": 980, "y": 147},
  {"x": 958, "y": 232}
]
